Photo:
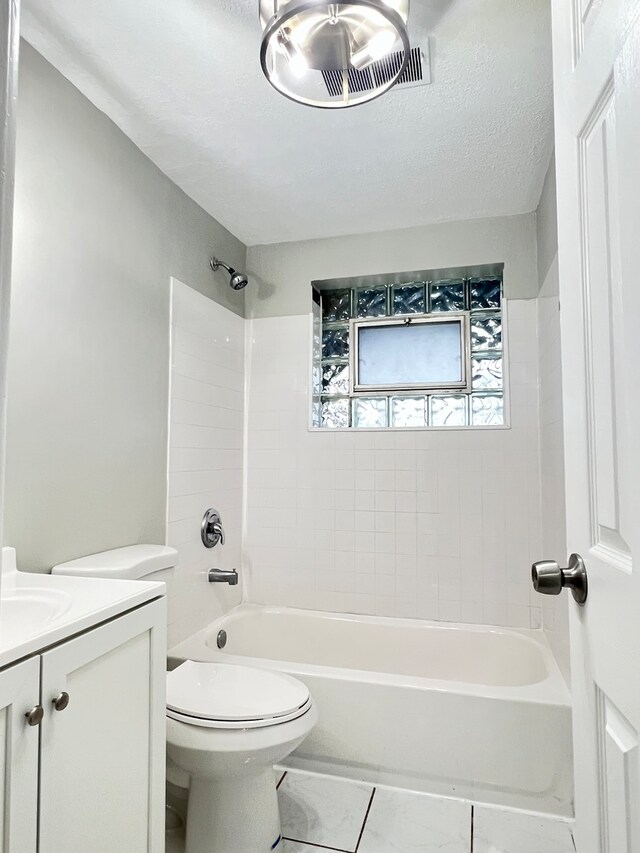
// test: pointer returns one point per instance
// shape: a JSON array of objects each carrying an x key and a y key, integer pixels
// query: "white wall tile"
[
  {"x": 458, "y": 513},
  {"x": 554, "y": 610},
  {"x": 205, "y": 455},
  {"x": 434, "y": 525}
]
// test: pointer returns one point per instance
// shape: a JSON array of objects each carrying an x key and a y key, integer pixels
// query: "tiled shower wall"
[
  {"x": 205, "y": 454},
  {"x": 429, "y": 524},
  {"x": 554, "y": 546}
]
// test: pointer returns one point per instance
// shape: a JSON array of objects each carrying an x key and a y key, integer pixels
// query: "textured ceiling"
[{"x": 182, "y": 80}]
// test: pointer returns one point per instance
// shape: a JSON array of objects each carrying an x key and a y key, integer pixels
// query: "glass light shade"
[{"x": 319, "y": 53}]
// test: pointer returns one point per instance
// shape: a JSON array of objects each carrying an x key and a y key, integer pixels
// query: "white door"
[
  {"x": 103, "y": 741},
  {"x": 597, "y": 114},
  {"x": 19, "y": 694}
]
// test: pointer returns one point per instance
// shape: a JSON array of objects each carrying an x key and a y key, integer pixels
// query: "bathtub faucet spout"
[{"x": 223, "y": 576}]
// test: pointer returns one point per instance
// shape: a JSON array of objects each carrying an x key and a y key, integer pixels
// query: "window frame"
[{"x": 463, "y": 318}]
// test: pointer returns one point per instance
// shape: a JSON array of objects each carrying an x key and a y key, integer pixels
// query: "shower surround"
[{"x": 434, "y": 524}]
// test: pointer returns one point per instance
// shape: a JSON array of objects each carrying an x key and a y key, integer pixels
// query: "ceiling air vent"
[{"x": 417, "y": 73}]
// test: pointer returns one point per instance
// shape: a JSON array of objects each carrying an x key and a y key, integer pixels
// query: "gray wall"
[
  {"x": 283, "y": 271},
  {"x": 9, "y": 34},
  {"x": 547, "y": 223},
  {"x": 99, "y": 231}
]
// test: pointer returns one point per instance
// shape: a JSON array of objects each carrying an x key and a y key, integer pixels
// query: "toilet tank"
[{"x": 135, "y": 562}]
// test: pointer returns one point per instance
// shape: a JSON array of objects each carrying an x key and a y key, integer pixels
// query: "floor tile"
[
  {"x": 322, "y": 810},
  {"x": 416, "y": 823},
  {"x": 496, "y": 831}
]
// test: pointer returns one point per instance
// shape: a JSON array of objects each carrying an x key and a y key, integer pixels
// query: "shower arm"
[{"x": 216, "y": 264}]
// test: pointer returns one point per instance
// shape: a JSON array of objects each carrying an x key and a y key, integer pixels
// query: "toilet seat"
[{"x": 228, "y": 696}]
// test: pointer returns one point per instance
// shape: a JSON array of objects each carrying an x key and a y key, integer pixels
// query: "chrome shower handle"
[
  {"x": 217, "y": 530},
  {"x": 212, "y": 531},
  {"x": 549, "y": 579}
]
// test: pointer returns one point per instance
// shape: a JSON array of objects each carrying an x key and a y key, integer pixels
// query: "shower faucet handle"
[
  {"x": 218, "y": 530},
  {"x": 211, "y": 530},
  {"x": 549, "y": 579}
]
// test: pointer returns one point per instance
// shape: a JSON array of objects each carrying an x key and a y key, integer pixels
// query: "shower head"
[{"x": 238, "y": 280}]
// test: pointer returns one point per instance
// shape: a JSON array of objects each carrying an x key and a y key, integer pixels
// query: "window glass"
[
  {"x": 449, "y": 410},
  {"x": 409, "y": 411},
  {"x": 485, "y": 293},
  {"x": 336, "y": 305},
  {"x": 415, "y": 355},
  {"x": 335, "y": 379},
  {"x": 335, "y": 342},
  {"x": 370, "y": 413},
  {"x": 408, "y": 299},
  {"x": 335, "y": 413},
  {"x": 371, "y": 302},
  {"x": 447, "y": 296}
]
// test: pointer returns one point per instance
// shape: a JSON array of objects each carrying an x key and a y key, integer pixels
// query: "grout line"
[
  {"x": 281, "y": 780},
  {"x": 315, "y": 846},
  {"x": 472, "y": 817},
  {"x": 364, "y": 822}
]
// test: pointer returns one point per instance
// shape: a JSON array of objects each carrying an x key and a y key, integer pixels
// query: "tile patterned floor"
[
  {"x": 319, "y": 810},
  {"x": 403, "y": 821},
  {"x": 321, "y": 813},
  {"x": 496, "y": 830}
]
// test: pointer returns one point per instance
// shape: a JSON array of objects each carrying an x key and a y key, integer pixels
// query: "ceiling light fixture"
[{"x": 305, "y": 40}]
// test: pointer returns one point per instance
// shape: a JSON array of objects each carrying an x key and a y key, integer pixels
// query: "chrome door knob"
[
  {"x": 35, "y": 715},
  {"x": 549, "y": 579},
  {"x": 61, "y": 701}
]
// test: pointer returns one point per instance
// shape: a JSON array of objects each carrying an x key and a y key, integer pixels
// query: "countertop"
[{"x": 41, "y": 610}]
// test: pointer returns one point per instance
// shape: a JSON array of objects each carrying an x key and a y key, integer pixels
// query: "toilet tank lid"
[{"x": 132, "y": 562}]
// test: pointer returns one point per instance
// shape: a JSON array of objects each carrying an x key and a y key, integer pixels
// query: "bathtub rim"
[{"x": 552, "y": 690}]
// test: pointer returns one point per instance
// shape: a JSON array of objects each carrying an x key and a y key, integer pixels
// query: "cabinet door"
[
  {"x": 103, "y": 756},
  {"x": 19, "y": 693}
]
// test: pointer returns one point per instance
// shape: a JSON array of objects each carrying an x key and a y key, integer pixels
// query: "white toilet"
[{"x": 227, "y": 726}]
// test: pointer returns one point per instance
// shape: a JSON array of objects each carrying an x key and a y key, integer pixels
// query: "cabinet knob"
[
  {"x": 61, "y": 701},
  {"x": 35, "y": 715}
]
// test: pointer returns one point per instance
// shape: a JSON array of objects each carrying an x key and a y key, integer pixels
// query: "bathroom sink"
[
  {"x": 39, "y": 610},
  {"x": 23, "y": 613}
]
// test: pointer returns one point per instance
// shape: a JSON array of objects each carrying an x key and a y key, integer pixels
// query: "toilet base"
[{"x": 236, "y": 814}]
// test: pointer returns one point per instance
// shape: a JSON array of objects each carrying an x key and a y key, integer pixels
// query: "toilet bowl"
[{"x": 227, "y": 726}]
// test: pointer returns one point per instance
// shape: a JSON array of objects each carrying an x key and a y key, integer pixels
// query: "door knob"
[
  {"x": 35, "y": 715},
  {"x": 61, "y": 701},
  {"x": 549, "y": 579}
]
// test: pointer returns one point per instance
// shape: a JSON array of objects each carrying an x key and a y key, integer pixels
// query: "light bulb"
[
  {"x": 378, "y": 46},
  {"x": 298, "y": 64},
  {"x": 381, "y": 44}
]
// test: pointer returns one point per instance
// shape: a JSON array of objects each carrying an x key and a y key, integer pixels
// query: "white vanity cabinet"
[
  {"x": 89, "y": 778},
  {"x": 19, "y": 747}
]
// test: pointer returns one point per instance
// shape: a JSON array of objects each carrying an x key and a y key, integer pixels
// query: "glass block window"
[{"x": 421, "y": 354}]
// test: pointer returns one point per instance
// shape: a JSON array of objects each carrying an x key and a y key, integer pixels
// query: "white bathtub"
[{"x": 470, "y": 711}]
